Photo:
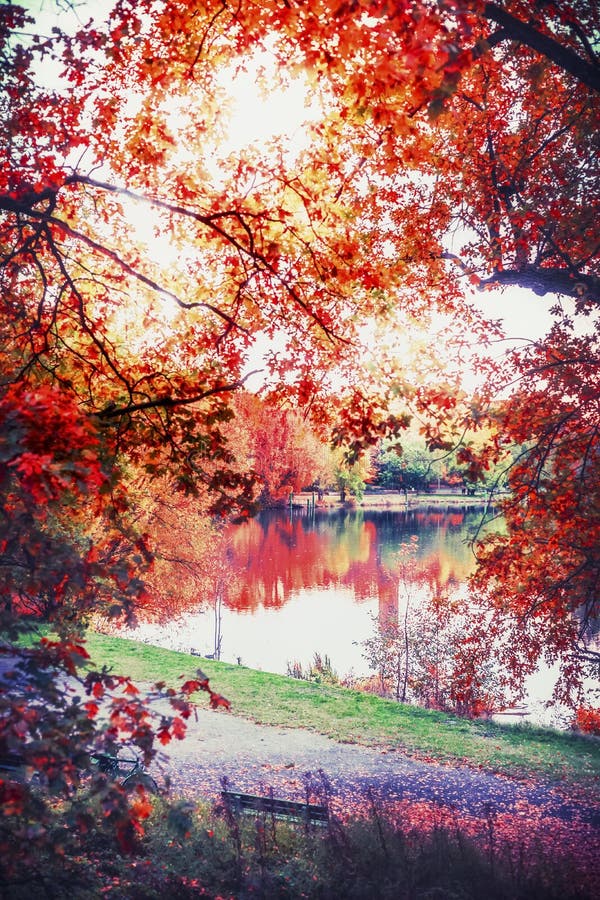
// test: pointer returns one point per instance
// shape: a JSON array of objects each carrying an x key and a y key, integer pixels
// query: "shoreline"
[{"x": 389, "y": 500}]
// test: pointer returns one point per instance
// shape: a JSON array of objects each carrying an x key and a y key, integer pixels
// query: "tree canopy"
[{"x": 142, "y": 262}]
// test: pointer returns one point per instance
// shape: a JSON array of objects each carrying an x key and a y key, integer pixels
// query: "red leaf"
[
  {"x": 217, "y": 700},
  {"x": 92, "y": 709}
]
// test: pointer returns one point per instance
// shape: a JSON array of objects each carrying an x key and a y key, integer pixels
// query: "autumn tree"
[
  {"x": 496, "y": 103},
  {"x": 66, "y": 555},
  {"x": 544, "y": 570},
  {"x": 278, "y": 447},
  {"x": 187, "y": 547},
  {"x": 141, "y": 262},
  {"x": 300, "y": 252},
  {"x": 55, "y": 477}
]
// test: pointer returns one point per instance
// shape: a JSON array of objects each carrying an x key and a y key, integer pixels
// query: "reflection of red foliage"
[
  {"x": 455, "y": 518},
  {"x": 273, "y": 559},
  {"x": 430, "y": 517},
  {"x": 276, "y": 560}
]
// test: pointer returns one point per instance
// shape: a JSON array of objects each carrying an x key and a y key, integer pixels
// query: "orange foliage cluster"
[{"x": 277, "y": 446}]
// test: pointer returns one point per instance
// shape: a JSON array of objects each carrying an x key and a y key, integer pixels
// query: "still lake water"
[
  {"x": 296, "y": 584},
  {"x": 299, "y": 584}
]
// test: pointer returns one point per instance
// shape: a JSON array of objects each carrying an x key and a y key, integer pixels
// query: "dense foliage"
[{"x": 142, "y": 262}]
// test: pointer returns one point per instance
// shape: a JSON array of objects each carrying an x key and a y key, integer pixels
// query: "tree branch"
[
  {"x": 112, "y": 411},
  {"x": 517, "y": 30},
  {"x": 213, "y": 222},
  {"x": 26, "y": 205},
  {"x": 537, "y": 279},
  {"x": 545, "y": 281}
]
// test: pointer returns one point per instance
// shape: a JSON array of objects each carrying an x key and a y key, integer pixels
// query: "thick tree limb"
[
  {"x": 540, "y": 280},
  {"x": 548, "y": 281},
  {"x": 112, "y": 411},
  {"x": 517, "y": 30}
]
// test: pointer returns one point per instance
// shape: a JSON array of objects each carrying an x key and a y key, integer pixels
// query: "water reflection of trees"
[{"x": 276, "y": 555}]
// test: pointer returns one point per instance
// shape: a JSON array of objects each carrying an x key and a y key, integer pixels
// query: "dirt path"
[{"x": 254, "y": 758}]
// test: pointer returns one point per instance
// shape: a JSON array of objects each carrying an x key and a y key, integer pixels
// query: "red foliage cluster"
[
  {"x": 528, "y": 839},
  {"x": 587, "y": 718}
]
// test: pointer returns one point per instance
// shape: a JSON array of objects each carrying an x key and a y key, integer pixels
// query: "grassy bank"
[{"x": 350, "y": 716}]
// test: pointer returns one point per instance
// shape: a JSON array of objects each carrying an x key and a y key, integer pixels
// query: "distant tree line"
[{"x": 285, "y": 455}]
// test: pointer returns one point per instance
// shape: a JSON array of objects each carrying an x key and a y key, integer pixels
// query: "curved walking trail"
[{"x": 254, "y": 758}]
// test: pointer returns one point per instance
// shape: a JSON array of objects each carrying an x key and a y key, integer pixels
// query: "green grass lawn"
[{"x": 345, "y": 715}]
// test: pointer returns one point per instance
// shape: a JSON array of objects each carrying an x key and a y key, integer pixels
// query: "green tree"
[
  {"x": 350, "y": 478},
  {"x": 408, "y": 466}
]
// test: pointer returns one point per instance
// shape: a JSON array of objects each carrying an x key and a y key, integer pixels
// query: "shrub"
[{"x": 320, "y": 671}]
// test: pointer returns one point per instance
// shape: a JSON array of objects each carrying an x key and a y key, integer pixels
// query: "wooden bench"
[
  {"x": 291, "y": 810},
  {"x": 15, "y": 765}
]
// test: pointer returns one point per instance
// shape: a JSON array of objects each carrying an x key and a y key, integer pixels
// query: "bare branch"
[{"x": 115, "y": 412}]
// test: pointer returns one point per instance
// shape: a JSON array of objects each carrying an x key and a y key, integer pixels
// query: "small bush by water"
[{"x": 319, "y": 670}]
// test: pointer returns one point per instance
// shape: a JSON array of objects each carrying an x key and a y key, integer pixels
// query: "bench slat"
[
  {"x": 288, "y": 809},
  {"x": 12, "y": 761}
]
